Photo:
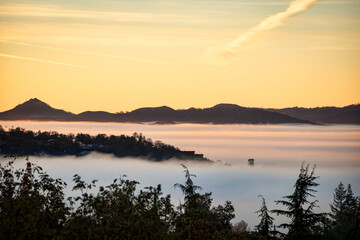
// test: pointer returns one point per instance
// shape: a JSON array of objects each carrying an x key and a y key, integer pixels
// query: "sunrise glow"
[{"x": 122, "y": 55}]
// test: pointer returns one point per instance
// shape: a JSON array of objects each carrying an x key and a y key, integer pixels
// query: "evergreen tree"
[
  {"x": 197, "y": 220},
  {"x": 351, "y": 212},
  {"x": 337, "y": 208},
  {"x": 266, "y": 222},
  {"x": 189, "y": 189},
  {"x": 350, "y": 202},
  {"x": 304, "y": 222},
  {"x": 344, "y": 215},
  {"x": 357, "y": 219},
  {"x": 193, "y": 222}
]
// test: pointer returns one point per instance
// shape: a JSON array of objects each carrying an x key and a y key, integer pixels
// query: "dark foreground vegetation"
[
  {"x": 21, "y": 142},
  {"x": 33, "y": 206}
]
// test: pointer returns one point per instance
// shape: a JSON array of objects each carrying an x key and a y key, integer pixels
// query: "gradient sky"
[{"x": 118, "y": 55}]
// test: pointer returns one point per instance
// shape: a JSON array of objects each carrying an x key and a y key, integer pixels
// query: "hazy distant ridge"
[
  {"x": 345, "y": 115},
  {"x": 34, "y": 109}
]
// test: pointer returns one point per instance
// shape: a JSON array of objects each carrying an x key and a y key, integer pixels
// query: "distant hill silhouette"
[
  {"x": 34, "y": 109},
  {"x": 345, "y": 115},
  {"x": 93, "y": 116}
]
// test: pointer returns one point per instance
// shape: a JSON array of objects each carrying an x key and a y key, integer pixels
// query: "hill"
[
  {"x": 21, "y": 142},
  {"x": 34, "y": 109},
  {"x": 345, "y": 115}
]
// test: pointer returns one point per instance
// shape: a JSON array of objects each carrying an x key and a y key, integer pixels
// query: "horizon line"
[{"x": 180, "y": 109}]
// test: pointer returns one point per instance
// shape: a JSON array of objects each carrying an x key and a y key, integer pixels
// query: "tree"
[
  {"x": 344, "y": 215},
  {"x": 241, "y": 227},
  {"x": 32, "y": 206},
  {"x": 189, "y": 189},
  {"x": 191, "y": 223},
  {"x": 350, "y": 201},
  {"x": 266, "y": 222},
  {"x": 197, "y": 220},
  {"x": 223, "y": 215},
  {"x": 357, "y": 219},
  {"x": 31, "y": 203},
  {"x": 304, "y": 222},
  {"x": 337, "y": 208}
]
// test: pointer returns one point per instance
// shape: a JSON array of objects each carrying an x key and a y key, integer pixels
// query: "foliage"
[
  {"x": 197, "y": 220},
  {"x": 304, "y": 223},
  {"x": 344, "y": 216},
  {"x": 33, "y": 206},
  {"x": 266, "y": 222},
  {"x": 241, "y": 227},
  {"x": 21, "y": 142},
  {"x": 30, "y": 207}
]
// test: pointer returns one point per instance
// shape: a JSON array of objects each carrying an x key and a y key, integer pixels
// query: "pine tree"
[
  {"x": 350, "y": 202},
  {"x": 337, "y": 208},
  {"x": 344, "y": 214},
  {"x": 197, "y": 220},
  {"x": 304, "y": 222},
  {"x": 188, "y": 189},
  {"x": 357, "y": 219},
  {"x": 266, "y": 222}
]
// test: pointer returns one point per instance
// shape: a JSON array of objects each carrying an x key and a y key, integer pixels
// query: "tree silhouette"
[
  {"x": 337, "y": 208},
  {"x": 33, "y": 206},
  {"x": 188, "y": 189},
  {"x": 304, "y": 222},
  {"x": 21, "y": 142},
  {"x": 197, "y": 220},
  {"x": 344, "y": 214},
  {"x": 266, "y": 222}
]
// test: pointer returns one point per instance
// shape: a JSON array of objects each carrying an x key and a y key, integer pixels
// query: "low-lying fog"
[{"x": 278, "y": 151}]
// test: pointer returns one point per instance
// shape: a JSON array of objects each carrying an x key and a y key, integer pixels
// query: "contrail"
[
  {"x": 273, "y": 21},
  {"x": 91, "y": 53},
  {"x": 40, "y": 60}
]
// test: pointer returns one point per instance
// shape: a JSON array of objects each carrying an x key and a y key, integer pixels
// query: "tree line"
[
  {"x": 22, "y": 142},
  {"x": 33, "y": 206}
]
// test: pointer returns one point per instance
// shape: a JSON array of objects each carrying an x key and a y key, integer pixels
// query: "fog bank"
[{"x": 278, "y": 151}]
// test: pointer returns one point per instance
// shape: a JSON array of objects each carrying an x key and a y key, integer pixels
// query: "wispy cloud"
[
  {"x": 343, "y": 47},
  {"x": 37, "y": 10},
  {"x": 129, "y": 58},
  {"x": 273, "y": 21},
  {"x": 91, "y": 53},
  {"x": 339, "y": 2},
  {"x": 107, "y": 15},
  {"x": 40, "y": 60}
]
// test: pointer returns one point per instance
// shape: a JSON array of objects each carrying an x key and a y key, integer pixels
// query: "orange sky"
[{"x": 118, "y": 56}]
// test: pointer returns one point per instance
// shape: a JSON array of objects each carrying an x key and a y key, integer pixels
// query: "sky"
[{"x": 119, "y": 55}]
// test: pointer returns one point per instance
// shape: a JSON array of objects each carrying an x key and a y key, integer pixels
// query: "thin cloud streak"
[
  {"x": 117, "y": 17},
  {"x": 286, "y": 4},
  {"x": 129, "y": 58},
  {"x": 273, "y": 21},
  {"x": 91, "y": 53},
  {"x": 40, "y": 60}
]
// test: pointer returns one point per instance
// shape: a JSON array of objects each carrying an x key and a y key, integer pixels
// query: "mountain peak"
[
  {"x": 224, "y": 113},
  {"x": 227, "y": 105},
  {"x": 34, "y": 100},
  {"x": 33, "y": 103},
  {"x": 35, "y": 109}
]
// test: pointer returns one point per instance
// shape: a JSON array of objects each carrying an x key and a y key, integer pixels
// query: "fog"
[{"x": 278, "y": 151}]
